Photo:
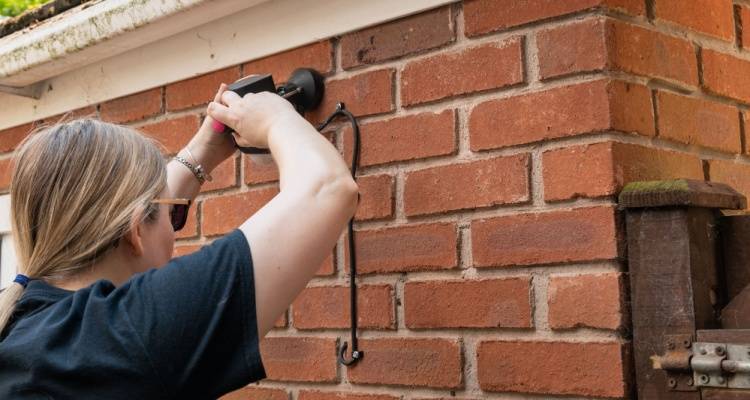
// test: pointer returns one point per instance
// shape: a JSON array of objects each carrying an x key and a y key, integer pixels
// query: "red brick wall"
[{"x": 495, "y": 137}]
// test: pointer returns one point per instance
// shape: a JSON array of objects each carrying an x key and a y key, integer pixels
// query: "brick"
[
  {"x": 631, "y": 108},
  {"x": 173, "y": 134},
  {"x": 407, "y": 248},
  {"x": 181, "y": 250},
  {"x": 579, "y": 171},
  {"x": 405, "y": 36},
  {"x": 316, "y": 395},
  {"x": 442, "y": 398},
  {"x": 485, "y": 183},
  {"x": 282, "y": 322},
  {"x": 731, "y": 173},
  {"x": 300, "y": 359},
  {"x": 591, "y": 301},
  {"x": 190, "y": 229},
  {"x": 696, "y": 121},
  {"x": 199, "y": 90},
  {"x": 634, "y": 7},
  {"x": 583, "y": 234},
  {"x": 260, "y": 168},
  {"x": 568, "y": 111},
  {"x": 490, "y": 303},
  {"x": 256, "y": 393},
  {"x": 602, "y": 169},
  {"x": 368, "y": 93},
  {"x": 486, "y": 16},
  {"x": 318, "y": 56},
  {"x": 376, "y": 201},
  {"x": 328, "y": 267},
  {"x": 577, "y": 47},
  {"x": 712, "y": 17},
  {"x": 645, "y": 52},
  {"x": 405, "y": 138},
  {"x": 744, "y": 15},
  {"x": 132, "y": 108},
  {"x": 6, "y": 173},
  {"x": 11, "y": 137},
  {"x": 587, "y": 369},
  {"x": 224, "y": 176},
  {"x": 223, "y": 214},
  {"x": 328, "y": 308},
  {"x": 475, "y": 69},
  {"x": 420, "y": 362},
  {"x": 726, "y": 75},
  {"x": 84, "y": 112}
]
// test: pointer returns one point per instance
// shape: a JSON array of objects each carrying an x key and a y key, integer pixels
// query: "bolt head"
[
  {"x": 672, "y": 383},
  {"x": 690, "y": 382},
  {"x": 704, "y": 379},
  {"x": 720, "y": 379},
  {"x": 719, "y": 350}
]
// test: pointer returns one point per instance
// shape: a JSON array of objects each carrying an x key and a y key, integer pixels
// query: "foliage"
[{"x": 11, "y": 8}]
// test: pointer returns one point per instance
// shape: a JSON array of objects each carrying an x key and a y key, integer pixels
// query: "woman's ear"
[{"x": 134, "y": 237}]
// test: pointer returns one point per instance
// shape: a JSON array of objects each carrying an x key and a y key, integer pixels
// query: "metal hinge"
[{"x": 699, "y": 364}]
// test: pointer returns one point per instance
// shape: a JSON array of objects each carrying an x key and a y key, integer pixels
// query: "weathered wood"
[
  {"x": 672, "y": 275},
  {"x": 675, "y": 274},
  {"x": 736, "y": 315},
  {"x": 681, "y": 192},
  {"x": 736, "y": 336},
  {"x": 735, "y": 233},
  {"x": 725, "y": 394}
]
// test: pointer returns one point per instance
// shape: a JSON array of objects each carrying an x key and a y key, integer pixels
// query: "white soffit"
[{"x": 148, "y": 49}]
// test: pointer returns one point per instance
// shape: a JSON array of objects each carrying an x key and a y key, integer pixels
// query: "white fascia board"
[
  {"x": 265, "y": 28},
  {"x": 82, "y": 36}
]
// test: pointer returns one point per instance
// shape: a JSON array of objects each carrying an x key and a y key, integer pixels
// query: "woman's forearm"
[
  {"x": 292, "y": 234},
  {"x": 182, "y": 182},
  {"x": 304, "y": 157}
]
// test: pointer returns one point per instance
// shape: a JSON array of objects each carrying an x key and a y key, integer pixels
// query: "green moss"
[
  {"x": 11, "y": 8},
  {"x": 678, "y": 185}
]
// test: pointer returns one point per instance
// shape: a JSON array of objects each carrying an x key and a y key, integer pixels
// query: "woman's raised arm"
[{"x": 292, "y": 234}]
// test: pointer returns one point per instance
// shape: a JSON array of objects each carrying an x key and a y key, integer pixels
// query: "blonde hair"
[{"x": 76, "y": 188}]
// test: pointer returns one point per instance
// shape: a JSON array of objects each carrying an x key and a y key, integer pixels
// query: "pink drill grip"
[{"x": 217, "y": 126}]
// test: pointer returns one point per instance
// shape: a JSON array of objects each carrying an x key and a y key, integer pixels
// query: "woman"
[{"x": 99, "y": 311}]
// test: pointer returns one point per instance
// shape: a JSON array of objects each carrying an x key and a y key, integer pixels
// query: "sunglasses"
[{"x": 178, "y": 211}]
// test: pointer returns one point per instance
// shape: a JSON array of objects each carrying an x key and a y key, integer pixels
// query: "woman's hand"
[
  {"x": 209, "y": 147},
  {"x": 252, "y": 117}
]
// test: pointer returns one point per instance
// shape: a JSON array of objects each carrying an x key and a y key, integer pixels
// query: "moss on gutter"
[{"x": 36, "y": 15}]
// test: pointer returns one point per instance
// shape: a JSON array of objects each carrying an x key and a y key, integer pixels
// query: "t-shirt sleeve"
[{"x": 196, "y": 318}]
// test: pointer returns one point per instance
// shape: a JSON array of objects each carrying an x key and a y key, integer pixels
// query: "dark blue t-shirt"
[{"x": 186, "y": 330}]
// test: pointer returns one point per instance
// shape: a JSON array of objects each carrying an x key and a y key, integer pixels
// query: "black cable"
[{"x": 356, "y": 353}]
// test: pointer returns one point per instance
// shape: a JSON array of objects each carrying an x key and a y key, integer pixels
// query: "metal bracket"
[
  {"x": 721, "y": 365},
  {"x": 676, "y": 363},
  {"x": 32, "y": 91},
  {"x": 690, "y": 366},
  {"x": 706, "y": 364}
]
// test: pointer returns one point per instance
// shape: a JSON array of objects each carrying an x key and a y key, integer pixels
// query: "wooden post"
[{"x": 673, "y": 249}]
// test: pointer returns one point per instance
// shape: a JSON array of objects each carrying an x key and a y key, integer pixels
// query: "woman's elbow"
[{"x": 344, "y": 192}]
